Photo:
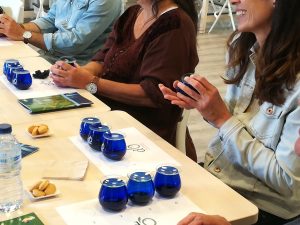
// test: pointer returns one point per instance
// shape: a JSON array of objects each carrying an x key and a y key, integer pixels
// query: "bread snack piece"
[
  {"x": 43, "y": 185},
  {"x": 42, "y": 129},
  {"x": 30, "y": 129},
  {"x": 36, "y": 186},
  {"x": 35, "y": 131},
  {"x": 38, "y": 193},
  {"x": 38, "y": 129},
  {"x": 43, "y": 188},
  {"x": 51, "y": 189}
]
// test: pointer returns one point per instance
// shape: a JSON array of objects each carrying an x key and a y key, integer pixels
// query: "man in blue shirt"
[{"x": 75, "y": 28}]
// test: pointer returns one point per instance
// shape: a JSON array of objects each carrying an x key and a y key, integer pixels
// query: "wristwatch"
[
  {"x": 27, "y": 35},
  {"x": 92, "y": 86}
]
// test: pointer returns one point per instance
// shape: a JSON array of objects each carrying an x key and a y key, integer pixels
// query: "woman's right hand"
[
  {"x": 203, "y": 219},
  {"x": 172, "y": 96},
  {"x": 206, "y": 100}
]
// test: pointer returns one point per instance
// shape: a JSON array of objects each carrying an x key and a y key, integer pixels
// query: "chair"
[
  {"x": 181, "y": 131},
  {"x": 13, "y": 8},
  {"x": 218, "y": 13},
  {"x": 124, "y": 2},
  {"x": 41, "y": 8}
]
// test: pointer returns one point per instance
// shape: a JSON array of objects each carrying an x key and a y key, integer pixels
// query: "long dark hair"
[
  {"x": 187, "y": 5},
  {"x": 278, "y": 61}
]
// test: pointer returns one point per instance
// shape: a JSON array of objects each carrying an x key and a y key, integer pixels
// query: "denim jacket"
[
  {"x": 253, "y": 151},
  {"x": 78, "y": 28}
]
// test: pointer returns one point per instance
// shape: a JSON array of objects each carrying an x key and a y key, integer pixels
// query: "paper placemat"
[
  {"x": 65, "y": 170},
  {"x": 160, "y": 211},
  {"x": 141, "y": 153},
  {"x": 39, "y": 88}
]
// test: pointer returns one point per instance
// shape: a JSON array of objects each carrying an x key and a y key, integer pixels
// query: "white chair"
[
  {"x": 218, "y": 12},
  {"x": 13, "y": 8},
  {"x": 39, "y": 8},
  {"x": 181, "y": 131},
  {"x": 124, "y": 2}
]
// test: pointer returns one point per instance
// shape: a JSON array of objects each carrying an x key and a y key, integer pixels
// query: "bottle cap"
[{"x": 5, "y": 128}]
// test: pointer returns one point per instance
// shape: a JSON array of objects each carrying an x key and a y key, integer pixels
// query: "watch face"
[
  {"x": 92, "y": 88},
  {"x": 27, "y": 34}
]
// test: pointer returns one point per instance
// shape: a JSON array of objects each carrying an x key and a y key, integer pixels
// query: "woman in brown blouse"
[{"x": 152, "y": 42}]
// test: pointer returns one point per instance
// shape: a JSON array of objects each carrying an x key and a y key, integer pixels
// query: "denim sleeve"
[
  {"x": 47, "y": 23},
  {"x": 92, "y": 23},
  {"x": 278, "y": 167}
]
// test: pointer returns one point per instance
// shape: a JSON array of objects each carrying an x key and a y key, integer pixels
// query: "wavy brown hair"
[
  {"x": 187, "y": 5},
  {"x": 278, "y": 61}
]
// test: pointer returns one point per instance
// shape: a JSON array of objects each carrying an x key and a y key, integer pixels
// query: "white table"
[
  {"x": 12, "y": 112},
  {"x": 202, "y": 188},
  {"x": 15, "y": 49}
]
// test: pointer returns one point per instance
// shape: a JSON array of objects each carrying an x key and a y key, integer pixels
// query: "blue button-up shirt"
[{"x": 77, "y": 27}]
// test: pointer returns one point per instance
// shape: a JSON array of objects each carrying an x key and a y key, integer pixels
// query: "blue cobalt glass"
[
  {"x": 186, "y": 84},
  {"x": 140, "y": 188},
  {"x": 113, "y": 194},
  {"x": 95, "y": 138},
  {"x": 9, "y": 62},
  {"x": 11, "y": 69},
  {"x": 167, "y": 181},
  {"x": 85, "y": 126},
  {"x": 22, "y": 79},
  {"x": 114, "y": 146}
]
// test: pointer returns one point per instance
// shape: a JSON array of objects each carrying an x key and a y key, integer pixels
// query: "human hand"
[
  {"x": 202, "y": 219},
  {"x": 66, "y": 75},
  {"x": 171, "y": 95},
  {"x": 10, "y": 28},
  {"x": 207, "y": 101}
]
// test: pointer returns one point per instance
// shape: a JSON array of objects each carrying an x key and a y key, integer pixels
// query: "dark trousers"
[{"x": 265, "y": 218}]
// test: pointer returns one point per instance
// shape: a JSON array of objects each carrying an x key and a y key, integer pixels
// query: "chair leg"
[
  {"x": 218, "y": 16},
  {"x": 231, "y": 15},
  {"x": 227, "y": 3},
  {"x": 203, "y": 16}
]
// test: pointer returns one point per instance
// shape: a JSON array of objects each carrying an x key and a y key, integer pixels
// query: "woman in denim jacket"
[{"x": 258, "y": 121}]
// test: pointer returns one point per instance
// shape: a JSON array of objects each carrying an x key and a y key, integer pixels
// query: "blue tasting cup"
[
  {"x": 186, "y": 84},
  {"x": 113, "y": 194},
  {"x": 10, "y": 71},
  {"x": 22, "y": 79},
  {"x": 95, "y": 138},
  {"x": 9, "y": 62},
  {"x": 167, "y": 181},
  {"x": 114, "y": 146},
  {"x": 140, "y": 187},
  {"x": 85, "y": 126}
]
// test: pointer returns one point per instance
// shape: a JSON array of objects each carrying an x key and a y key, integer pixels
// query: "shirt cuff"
[{"x": 229, "y": 127}]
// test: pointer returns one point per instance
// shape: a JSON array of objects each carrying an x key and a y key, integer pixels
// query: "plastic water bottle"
[{"x": 11, "y": 187}]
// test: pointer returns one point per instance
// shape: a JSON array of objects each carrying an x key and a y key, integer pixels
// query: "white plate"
[
  {"x": 32, "y": 198},
  {"x": 48, "y": 133}
]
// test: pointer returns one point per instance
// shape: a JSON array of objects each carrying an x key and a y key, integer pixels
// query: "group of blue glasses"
[
  {"x": 99, "y": 138},
  {"x": 140, "y": 188},
  {"x": 16, "y": 74}
]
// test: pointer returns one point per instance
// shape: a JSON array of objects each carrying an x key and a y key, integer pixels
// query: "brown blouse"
[{"x": 164, "y": 52}]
